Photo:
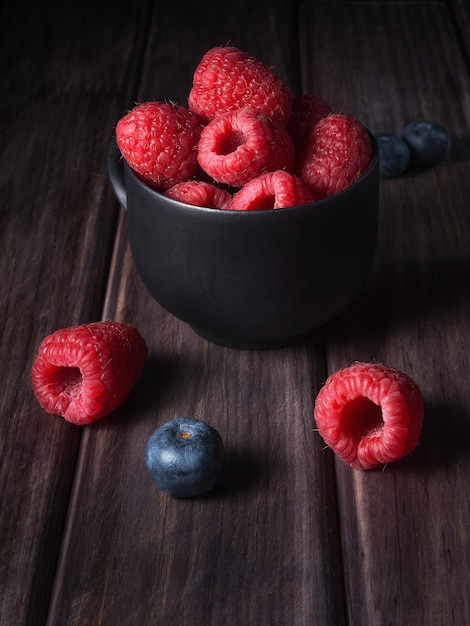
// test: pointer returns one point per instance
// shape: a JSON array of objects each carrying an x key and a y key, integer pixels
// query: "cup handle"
[{"x": 115, "y": 165}]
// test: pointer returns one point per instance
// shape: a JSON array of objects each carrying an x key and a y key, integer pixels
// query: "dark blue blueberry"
[
  {"x": 429, "y": 142},
  {"x": 394, "y": 155},
  {"x": 185, "y": 457}
]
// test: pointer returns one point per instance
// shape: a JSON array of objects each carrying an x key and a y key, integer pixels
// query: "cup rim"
[{"x": 213, "y": 211}]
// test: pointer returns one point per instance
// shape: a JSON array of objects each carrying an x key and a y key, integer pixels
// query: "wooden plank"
[
  {"x": 461, "y": 12},
  {"x": 60, "y": 93},
  {"x": 134, "y": 553},
  {"x": 263, "y": 549},
  {"x": 404, "y": 530}
]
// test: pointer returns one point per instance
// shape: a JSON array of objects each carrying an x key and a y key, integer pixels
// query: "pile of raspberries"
[{"x": 244, "y": 141}]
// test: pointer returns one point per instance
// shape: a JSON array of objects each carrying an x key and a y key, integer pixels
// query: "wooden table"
[{"x": 292, "y": 537}]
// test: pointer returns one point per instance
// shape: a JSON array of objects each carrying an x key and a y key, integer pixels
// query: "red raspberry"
[
  {"x": 84, "y": 372},
  {"x": 274, "y": 190},
  {"x": 369, "y": 414},
  {"x": 200, "y": 193},
  {"x": 158, "y": 141},
  {"x": 307, "y": 111},
  {"x": 239, "y": 146},
  {"x": 338, "y": 151},
  {"x": 228, "y": 79}
]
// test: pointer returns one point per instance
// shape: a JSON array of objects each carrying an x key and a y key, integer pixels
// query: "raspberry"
[
  {"x": 369, "y": 414},
  {"x": 307, "y": 111},
  {"x": 228, "y": 79},
  {"x": 158, "y": 141},
  {"x": 239, "y": 146},
  {"x": 200, "y": 193},
  {"x": 84, "y": 372},
  {"x": 338, "y": 151},
  {"x": 274, "y": 190}
]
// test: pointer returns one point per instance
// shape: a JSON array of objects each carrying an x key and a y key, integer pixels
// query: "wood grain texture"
[
  {"x": 290, "y": 536},
  {"x": 403, "y": 530},
  {"x": 461, "y": 12},
  {"x": 60, "y": 91},
  {"x": 262, "y": 549}
]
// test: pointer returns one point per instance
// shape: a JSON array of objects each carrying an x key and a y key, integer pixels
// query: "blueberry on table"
[
  {"x": 185, "y": 457},
  {"x": 428, "y": 141},
  {"x": 394, "y": 155}
]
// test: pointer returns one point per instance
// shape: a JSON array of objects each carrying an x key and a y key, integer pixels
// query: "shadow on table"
[
  {"x": 445, "y": 438},
  {"x": 243, "y": 469},
  {"x": 410, "y": 296}
]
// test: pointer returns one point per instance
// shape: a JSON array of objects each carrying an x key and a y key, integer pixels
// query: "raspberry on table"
[
  {"x": 158, "y": 141},
  {"x": 338, "y": 151},
  {"x": 307, "y": 111},
  {"x": 274, "y": 190},
  {"x": 200, "y": 193},
  {"x": 241, "y": 145},
  {"x": 228, "y": 79},
  {"x": 369, "y": 414},
  {"x": 84, "y": 372}
]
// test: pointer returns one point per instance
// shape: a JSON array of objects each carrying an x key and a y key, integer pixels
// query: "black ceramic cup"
[{"x": 251, "y": 279}]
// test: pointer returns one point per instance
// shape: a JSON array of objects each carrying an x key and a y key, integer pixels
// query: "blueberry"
[
  {"x": 185, "y": 457},
  {"x": 394, "y": 155},
  {"x": 429, "y": 142}
]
